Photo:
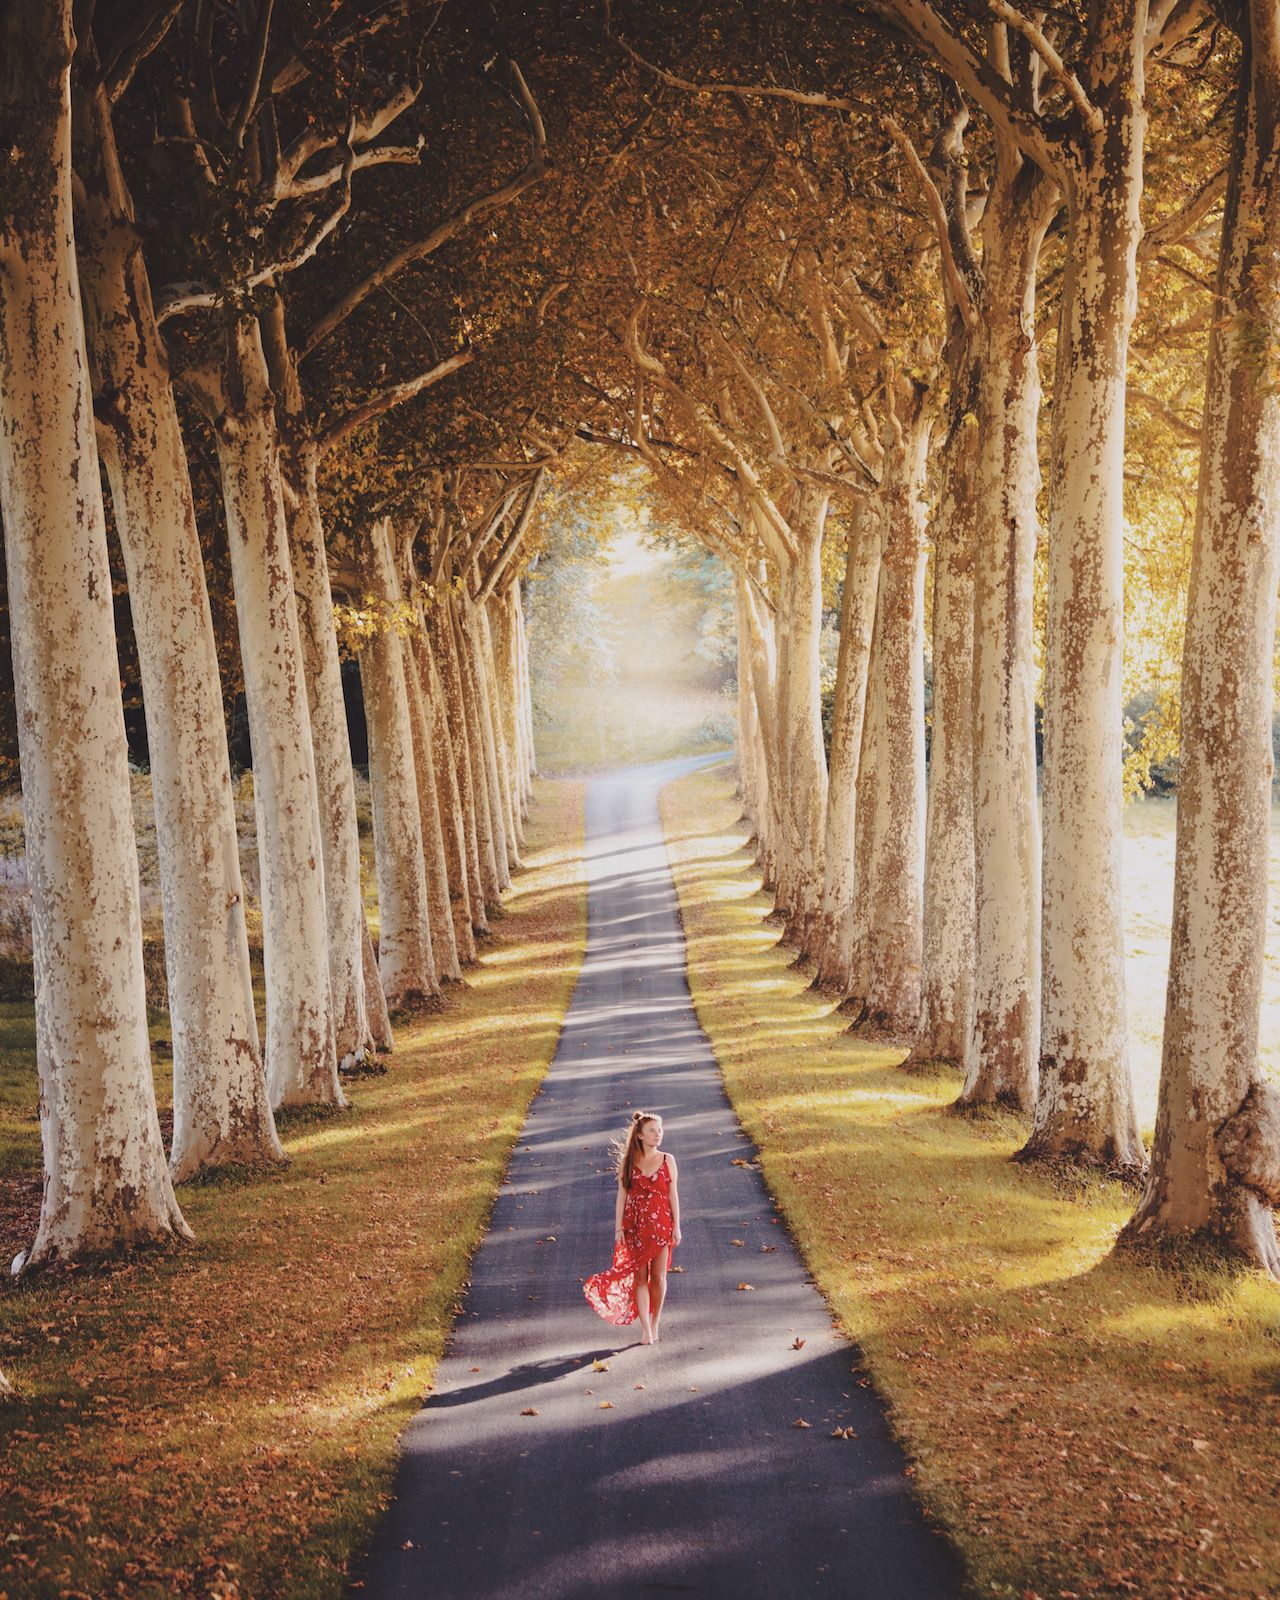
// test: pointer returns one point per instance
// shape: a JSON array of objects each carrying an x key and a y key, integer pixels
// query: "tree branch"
[
  {"x": 249, "y": 104},
  {"x": 138, "y": 43},
  {"x": 395, "y": 394},
  {"x": 1173, "y": 229},
  {"x": 180, "y": 298},
  {"x": 1056, "y": 66},
  {"x": 504, "y": 194}
]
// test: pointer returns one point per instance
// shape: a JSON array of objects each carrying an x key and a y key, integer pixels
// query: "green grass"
[
  {"x": 221, "y": 1419},
  {"x": 1083, "y": 1424}
]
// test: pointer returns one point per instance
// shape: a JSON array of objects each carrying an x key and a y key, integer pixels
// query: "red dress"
[{"x": 647, "y": 1228}]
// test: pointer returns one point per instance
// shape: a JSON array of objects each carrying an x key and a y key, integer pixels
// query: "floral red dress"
[{"x": 647, "y": 1228}]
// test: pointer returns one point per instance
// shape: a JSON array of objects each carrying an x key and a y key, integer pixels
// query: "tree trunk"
[
  {"x": 508, "y": 671},
  {"x": 894, "y": 887},
  {"x": 487, "y": 660},
  {"x": 857, "y": 623},
  {"x": 764, "y": 682},
  {"x": 477, "y": 701},
  {"x": 1002, "y": 1058},
  {"x": 440, "y": 910},
  {"x": 946, "y": 990},
  {"x": 1197, "y": 1188},
  {"x": 106, "y": 1184},
  {"x": 1084, "y": 1105},
  {"x": 221, "y": 1113},
  {"x": 806, "y": 796},
  {"x": 302, "y": 1064},
  {"x": 406, "y": 961},
  {"x": 526, "y": 694},
  {"x": 448, "y": 796},
  {"x": 331, "y": 745},
  {"x": 375, "y": 999},
  {"x": 445, "y": 653},
  {"x": 335, "y": 786}
]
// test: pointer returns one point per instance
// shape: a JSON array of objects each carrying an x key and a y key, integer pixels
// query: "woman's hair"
[{"x": 626, "y": 1147}]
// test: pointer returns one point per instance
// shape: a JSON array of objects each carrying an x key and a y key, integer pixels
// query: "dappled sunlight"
[
  {"x": 1052, "y": 1392},
  {"x": 298, "y": 1333}
]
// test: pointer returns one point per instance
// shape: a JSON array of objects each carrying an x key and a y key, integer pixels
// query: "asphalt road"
[{"x": 680, "y": 1469}]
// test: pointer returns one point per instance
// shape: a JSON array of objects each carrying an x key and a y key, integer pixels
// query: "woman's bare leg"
[
  {"x": 657, "y": 1290},
  {"x": 642, "y": 1305}
]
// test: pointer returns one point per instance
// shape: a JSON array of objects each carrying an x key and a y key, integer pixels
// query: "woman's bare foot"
[{"x": 647, "y": 1333}]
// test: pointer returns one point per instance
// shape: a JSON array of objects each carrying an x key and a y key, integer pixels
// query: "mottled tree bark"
[
  {"x": 1002, "y": 1061},
  {"x": 946, "y": 988},
  {"x": 806, "y": 795},
  {"x": 445, "y": 653},
  {"x": 1085, "y": 1108},
  {"x": 406, "y": 960},
  {"x": 1216, "y": 1156},
  {"x": 331, "y": 746},
  {"x": 106, "y": 1184},
  {"x": 302, "y": 1063},
  {"x": 857, "y": 623},
  {"x": 221, "y": 1113},
  {"x": 893, "y": 886}
]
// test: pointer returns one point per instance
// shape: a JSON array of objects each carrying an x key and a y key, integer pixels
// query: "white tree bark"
[
  {"x": 1002, "y": 1060},
  {"x": 764, "y": 688},
  {"x": 893, "y": 886},
  {"x": 406, "y": 960},
  {"x": 478, "y": 708},
  {"x": 448, "y": 795},
  {"x": 444, "y": 943},
  {"x": 331, "y": 745},
  {"x": 526, "y": 695},
  {"x": 503, "y": 623},
  {"x": 375, "y": 999},
  {"x": 1214, "y": 1164},
  {"x": 221, "y": 1113},
  {"x": 106, "y": 1182},
  {"x": 806, "y": 795},
  {"x": 302, "y": 1064},
  {"x": 487, "y": 660},
  {"x": 1084, "y": 1106},
  {"x": 445, "y": 656},
  {"x": 946, "y": 988},
  {"x": 857, "y": 623}
]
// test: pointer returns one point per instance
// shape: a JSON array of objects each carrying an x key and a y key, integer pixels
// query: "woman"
[{"x": 646, "y": 1230}]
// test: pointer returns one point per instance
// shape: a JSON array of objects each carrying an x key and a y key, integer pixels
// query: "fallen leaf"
[
  {"x": 1199, "y": 1444},
  {"x": 737, "y": 1242},
  {"x": 746, "y": 1286},
  {"x": 599, "y": 1366},
  {"x": 797, "y": 1344},
  {"x": 528, "y": 1412},
  {"x": 765, "y": 1249},
  {"x": 739, "y": 1162},
  {"x": 843, "y": 1433},
  {"x": 606, "y": 1405},
  {"x": 800, "y": 1423},
  {"x": 677, "y": 1269},
  {"x": 637, "y": 1386}
]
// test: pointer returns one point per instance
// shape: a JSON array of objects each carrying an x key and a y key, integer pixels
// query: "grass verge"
[
  {"x": 222, "y": 1420},
  {"x": 1084, "y": 1425}
]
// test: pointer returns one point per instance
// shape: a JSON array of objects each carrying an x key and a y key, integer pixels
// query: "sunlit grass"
[
  {"x": 222, "y": 1420},
  {"x": 1084, "y": 1425}
]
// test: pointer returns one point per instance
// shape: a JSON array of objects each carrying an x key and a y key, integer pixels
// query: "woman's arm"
[
  {"x": 617, "y": 1211},
  {"x": 674, "y": 1195}
]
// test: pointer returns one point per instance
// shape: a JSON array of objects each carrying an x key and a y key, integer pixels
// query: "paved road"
[{"x": 679, "y": 1469}]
